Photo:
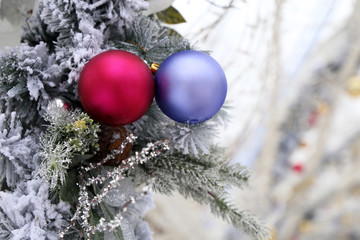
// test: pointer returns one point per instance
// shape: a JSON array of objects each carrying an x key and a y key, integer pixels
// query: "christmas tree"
[{"x": 64, "y": 173}]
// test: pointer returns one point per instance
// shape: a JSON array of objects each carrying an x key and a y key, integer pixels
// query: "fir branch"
[
  {"x": 17, "y": 150},
  {"x": 6, "y": 226},
  {"x": 205, "y": 180},
  {"x": 101, "y": 18},
  {"x": 192, "y": 139},
  {"x": 29, "y": 212},
  {"x": 182, "y": 174},
  {"x": 36, "y": 31},
  {"x": 77, "y": 30},
  {"x": 27, "y": 79},
  {"x": 152, "y": 42},
  {"x": 57, "y": 159},
  {"x": 177, "y": 170},
  {"x": 150, "y": 126},
  {"x": 239, "y": 219},
  {"x": 83, "y": 209},
  {"x": 234, "y": 175},
  {"x": 211, "y": 170},
  {"x": 69, "y": 134},
  {"x": 223, "y": 116}
]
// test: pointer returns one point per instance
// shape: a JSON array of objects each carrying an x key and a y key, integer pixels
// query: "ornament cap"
[{"x": 154, "y": 67}]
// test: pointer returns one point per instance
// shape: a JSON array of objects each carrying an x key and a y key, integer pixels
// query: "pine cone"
[{"x": 110, "y": 138}]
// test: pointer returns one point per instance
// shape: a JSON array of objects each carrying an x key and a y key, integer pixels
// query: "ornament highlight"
[
  {"x": 116, "y": 87},
  {"x": 191, "y": 87},
  {"x": 61, "y": 103}
]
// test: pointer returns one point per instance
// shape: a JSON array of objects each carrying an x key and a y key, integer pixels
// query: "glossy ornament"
[
  {"x": 191, "y": 87},
  {"x": 116, "y": 87},
  {"x": 59, "y": 102},
  {"x": 121, "y": 194}
]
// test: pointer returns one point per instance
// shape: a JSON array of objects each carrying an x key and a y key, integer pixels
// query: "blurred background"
[{"x": 294, "y": 87}]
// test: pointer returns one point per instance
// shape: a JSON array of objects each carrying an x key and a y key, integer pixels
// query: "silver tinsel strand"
[{"x": 114, "y": 179}]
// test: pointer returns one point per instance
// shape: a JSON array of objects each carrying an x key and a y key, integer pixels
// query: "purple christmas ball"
[{"x": 190, "y": 87}]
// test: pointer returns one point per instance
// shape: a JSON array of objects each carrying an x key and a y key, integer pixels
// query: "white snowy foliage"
[
  {"x": 30, "y": 213},
  {"x": 57, "y": 161},
  {"x": 191, "y": 139},
  {"x": 27, "y": 79},
  {"x": 34, "y": 85},
  {"x": 17, "y": 152},
  {"x": 85, "y": 27},
  {"x": 37, "y": 72},
  {"x": 135, "y": 214}
]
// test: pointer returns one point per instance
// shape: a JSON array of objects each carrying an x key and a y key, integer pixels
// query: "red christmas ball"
[{"x": 116, "y": 87}]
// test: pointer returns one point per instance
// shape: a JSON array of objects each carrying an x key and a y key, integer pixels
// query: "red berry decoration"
[
  {"x": 66, "y": 106},
  {"x": 313, "y": 118},
  {"x": 116, "y": 87},
  {"x": 298, "y": 167}
]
